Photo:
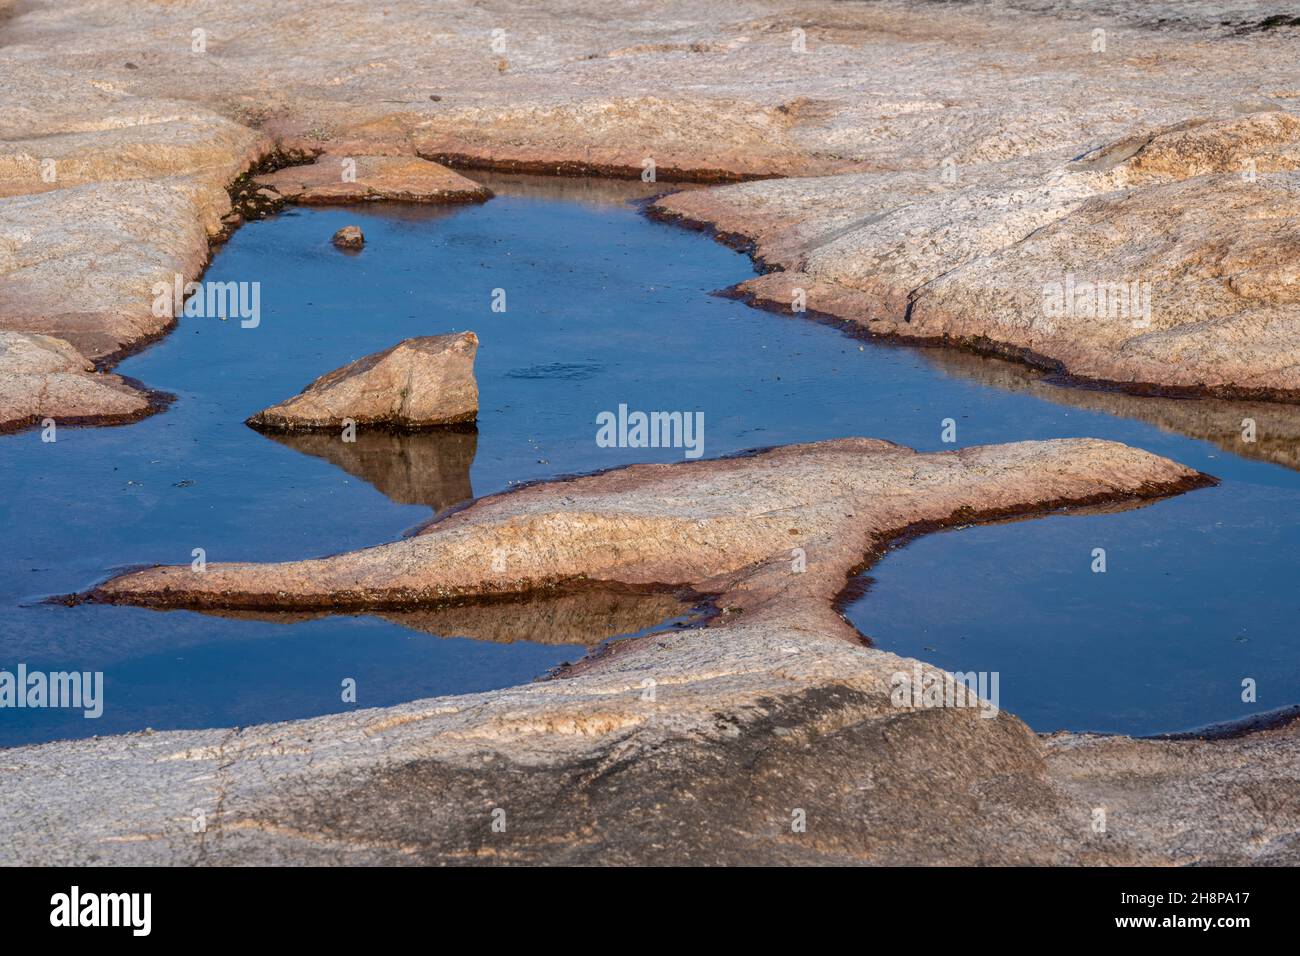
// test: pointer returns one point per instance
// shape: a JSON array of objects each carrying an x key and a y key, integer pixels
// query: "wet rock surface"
[
  {"x": 349, "y": 237},
  {"x": 418, "y": 383}
]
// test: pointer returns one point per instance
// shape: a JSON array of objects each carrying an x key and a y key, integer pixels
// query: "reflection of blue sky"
[{"x": 605, "y": 308}]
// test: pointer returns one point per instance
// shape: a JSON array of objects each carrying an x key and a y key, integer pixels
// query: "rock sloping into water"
[
  {"x": 946, "y": 210},
  {"x": 1164, "y": 260},
  {"x": 418, "y": 383},
  {"x": 941, "y": 210},
  {"x": 44, "y": 377},
  {"x": 720, "y": 526},
  {"x": 776, "y": 707}
]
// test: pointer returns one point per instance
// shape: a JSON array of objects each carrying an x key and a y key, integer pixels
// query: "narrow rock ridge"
[{"x": 731, "y": 526}]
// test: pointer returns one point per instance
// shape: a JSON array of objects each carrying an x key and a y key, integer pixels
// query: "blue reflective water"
[{"x": 605, "y": 308}]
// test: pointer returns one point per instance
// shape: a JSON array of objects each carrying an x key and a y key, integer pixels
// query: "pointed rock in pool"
[
  {"x": 418, "y": 383},
  {"x": 349, "y": 237}
]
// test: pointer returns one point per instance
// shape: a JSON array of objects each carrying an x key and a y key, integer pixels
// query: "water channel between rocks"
[{"x": 604, "y": 307}]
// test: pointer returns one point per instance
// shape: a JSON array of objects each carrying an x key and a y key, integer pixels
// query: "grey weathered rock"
[{"x": 418, "y": 383}]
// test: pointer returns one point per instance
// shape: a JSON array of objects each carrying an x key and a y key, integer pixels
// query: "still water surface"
[{"x": 605, "y": 308}]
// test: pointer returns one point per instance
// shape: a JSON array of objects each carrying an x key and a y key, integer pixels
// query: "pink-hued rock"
[
  {"x": 959, "y": 158},
  {"x": 42, "y": 377},
  {"x": 418, "y": 383},
  {"x": 939, "y": 202},
  {"x": 1161, "y": 261},
  {"x": 682, "y": 746},
  {"x": 726, "y": 526},
  {"x": 347, "y": 179}
]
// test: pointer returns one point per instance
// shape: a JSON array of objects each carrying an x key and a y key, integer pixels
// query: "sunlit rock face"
[
  {"x": 417, "y": 383},
  {"x": 1161, "y": 260},
  {"x": 977, "y": 174},
  {"x": 345, "y": 179},
  {"x": 43, "y": 379},
  {"x": 947, "y": 206},
  {"x": 772, "y": 734}
]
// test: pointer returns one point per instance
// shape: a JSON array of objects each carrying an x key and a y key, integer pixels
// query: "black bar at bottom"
[{"x": 336, "y": 905}]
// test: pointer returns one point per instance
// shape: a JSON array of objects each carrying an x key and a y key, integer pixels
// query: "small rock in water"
[
  {"x": 417, "y": 383},
  {"x": 349, "y": 237}
]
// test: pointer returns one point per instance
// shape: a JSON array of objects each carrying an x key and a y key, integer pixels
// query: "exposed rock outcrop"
[
  {"x": 980, "y": 151},
  {"x": 1163, "y": 261},
  {"x": 346, "y": 179},
  {"x": 417, "y": 383},
  {"x": 42, "y": 377},
  {"x": 688, "y": 746},
  {"x": 710, "y": 768},
  {"x": 727, "y": 526},
  {"x": 943, "y": 179}
]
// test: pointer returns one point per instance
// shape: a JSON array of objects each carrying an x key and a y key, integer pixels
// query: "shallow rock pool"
[{"x": 605, "y": 308}]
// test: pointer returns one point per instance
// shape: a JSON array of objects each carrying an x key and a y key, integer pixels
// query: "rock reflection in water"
[
  {"x": 420, "y": 468},
  {"x": 587, "y": 615},
  {"x": 591, "y": 190},
  {"x": 1219, "y": 421}
]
